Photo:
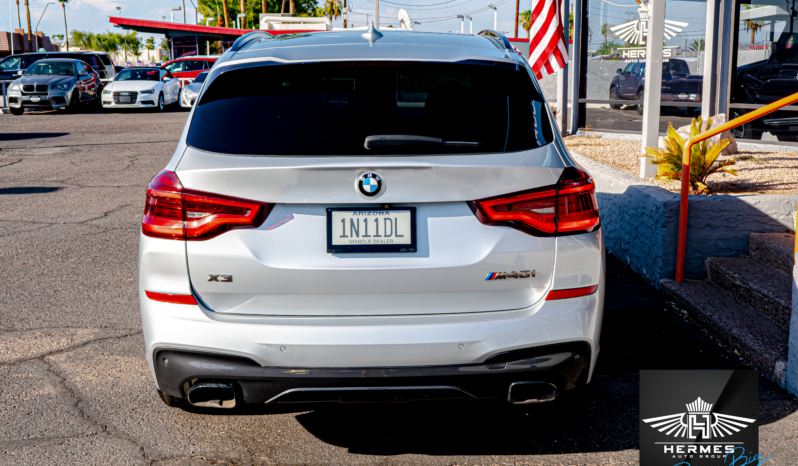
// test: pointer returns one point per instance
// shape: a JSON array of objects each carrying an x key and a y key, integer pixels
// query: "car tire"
[
  {"x": 640, "y": 105},
  {"x": 17, "y": 111},
  {"x": 614, "y": 96},
  {"x": 74, "y": 102},
  {"x": 172, "y": 401},
  {"x": 160, "y": 106},
  {"x": 746, "y": 131}
]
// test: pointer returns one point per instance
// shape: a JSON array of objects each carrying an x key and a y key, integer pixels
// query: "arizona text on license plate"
[{"x": 353, "y": 230}]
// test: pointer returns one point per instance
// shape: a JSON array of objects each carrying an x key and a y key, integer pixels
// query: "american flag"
[{"x": 547, "y": 50}]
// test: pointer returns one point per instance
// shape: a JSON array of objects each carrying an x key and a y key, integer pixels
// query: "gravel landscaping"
[{"x": 759, "y": 172}]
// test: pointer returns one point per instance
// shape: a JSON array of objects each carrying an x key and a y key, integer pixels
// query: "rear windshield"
[{"x": 371, "y": 108}]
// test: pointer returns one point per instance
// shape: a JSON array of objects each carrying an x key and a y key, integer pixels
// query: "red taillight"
[
  {"x": 568, "y": 207},
  {"x": 176, "y": 213},
  {"x": 571, "y": 293},
  {"x": 171, "y": 297}
]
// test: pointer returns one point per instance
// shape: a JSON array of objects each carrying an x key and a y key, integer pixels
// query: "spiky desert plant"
[{"x": 704, "y": 161}]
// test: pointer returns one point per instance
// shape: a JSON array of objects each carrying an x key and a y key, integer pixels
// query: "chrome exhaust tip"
[
  {"x": 212, "y": 395},
  {"x": 527, "y": 393}
]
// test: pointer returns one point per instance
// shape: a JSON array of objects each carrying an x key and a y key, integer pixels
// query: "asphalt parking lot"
[{"x": 75, "y": 387}]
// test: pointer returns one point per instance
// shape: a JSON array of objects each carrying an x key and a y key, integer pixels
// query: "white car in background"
[
  {"x": 190, "y": 93},
  {"x": 141, "y": 88}
]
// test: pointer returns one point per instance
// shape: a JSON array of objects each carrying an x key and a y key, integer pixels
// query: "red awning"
[{"x": 165, "y": 27}]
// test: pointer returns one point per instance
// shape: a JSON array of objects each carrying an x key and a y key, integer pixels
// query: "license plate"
[
  {"x": 35, "y": 99},
  {"x": 370, "y": 229},
  {"x": 682, "y": 96},
  {"x": 125, "y": 99}
]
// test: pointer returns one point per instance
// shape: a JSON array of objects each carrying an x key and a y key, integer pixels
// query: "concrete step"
[
  {"x": 755, "y": 337},
  {"x": 775, "y": 249},
  {"x": 755, "y": 284}
]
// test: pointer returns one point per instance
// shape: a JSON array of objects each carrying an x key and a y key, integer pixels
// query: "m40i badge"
[{"x": 506, "y": 275}]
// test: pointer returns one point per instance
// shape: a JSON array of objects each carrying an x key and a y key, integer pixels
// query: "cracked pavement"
[{"x": 74, "y": 382}]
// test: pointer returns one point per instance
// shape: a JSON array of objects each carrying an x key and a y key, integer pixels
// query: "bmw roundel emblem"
[{"x": 369, "y": 184}]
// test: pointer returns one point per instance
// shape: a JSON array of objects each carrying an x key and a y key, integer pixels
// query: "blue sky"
[{"x": 93, "y": 15}]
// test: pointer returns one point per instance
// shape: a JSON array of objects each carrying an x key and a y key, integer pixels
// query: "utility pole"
[
  {"x": 376, "y": 14},
  {"x": 244, "y": 12},
  {"x": 184, "y": 11},
  {"x": 345, "y": 13},
  {"x": 517, "y": 4}
]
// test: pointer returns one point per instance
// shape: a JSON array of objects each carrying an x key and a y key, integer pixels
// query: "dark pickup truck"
[{"x": 677, "y": 84}]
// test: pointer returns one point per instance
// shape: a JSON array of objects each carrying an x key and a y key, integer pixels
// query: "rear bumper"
[
  {"x": 687, "y": 100},
  {"x": 563, "y": 365},
  {"x": 271, "y": 344}
]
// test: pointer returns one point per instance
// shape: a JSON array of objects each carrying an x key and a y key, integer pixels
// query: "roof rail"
[
  {"x": 247, "y": 38},
  {"x": 496, "y": 36}
]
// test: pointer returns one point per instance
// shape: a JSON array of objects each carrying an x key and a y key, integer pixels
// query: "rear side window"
[
  {"x": 176, "y": 67},
  {"x": 105, "y": 60},
  {"x": 370, "y": 108},
  {"x": 11, "y": 63},
  {"x": 680, "y": 67}
]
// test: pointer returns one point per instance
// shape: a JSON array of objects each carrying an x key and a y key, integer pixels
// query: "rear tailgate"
[{"x": 283, "y": 267}]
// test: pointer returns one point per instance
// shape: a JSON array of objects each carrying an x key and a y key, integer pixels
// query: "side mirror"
[
  {"x": 619, "y": 71},
  {"x": 20, "y": 72},
  {"x": 83, "y": 73}
]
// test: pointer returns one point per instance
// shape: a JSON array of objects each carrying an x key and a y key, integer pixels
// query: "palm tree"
[
  {"x": 697, "y": 44},
  {"x": 525, "y": 20},
  {"x": 226, "y": 14},
  {"x": 333, "y": 8},
  {"x": 604, "y": 31},
  {"x": 66, "y": 32},
  {"x": 150, "y": 43},
  {"x": 27, "y": 12},
  {"x": 753, "y": 26}
]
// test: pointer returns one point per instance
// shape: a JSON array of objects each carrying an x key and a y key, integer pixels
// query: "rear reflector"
[
  {"x": 176, "y": 213},
  {"x": 171, "y": 298},
  {"x": 565, "y": 208},
  {"x": 572, "y": 293}
]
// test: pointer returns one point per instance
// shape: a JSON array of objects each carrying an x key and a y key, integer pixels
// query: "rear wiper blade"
[{"x": 399, "y": 140}]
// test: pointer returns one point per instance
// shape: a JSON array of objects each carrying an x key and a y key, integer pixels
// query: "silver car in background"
[
  {"x": 386, "y": 215},
  {"x": 53, "y": 84},
  {"x": 189, "y": 93}
]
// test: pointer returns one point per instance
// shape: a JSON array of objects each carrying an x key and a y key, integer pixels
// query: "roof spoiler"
[
  {"x": 247, "y": 38},
  {"x": 497, "y": 37}
]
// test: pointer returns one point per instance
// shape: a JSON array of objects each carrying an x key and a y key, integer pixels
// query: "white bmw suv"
[{"x": 369, "y": 216}]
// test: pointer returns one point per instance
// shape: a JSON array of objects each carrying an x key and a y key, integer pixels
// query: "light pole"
[
  {"x": 376, "y": 14},
  {"x": 495, "y": 16},
  {"x": 462, "y": 22},
  {"x": 470, "y": 24},
  {"x": 174, "y": 8},
  {"x": 196, "y": 21},
  {"x": 240, "y": 21},
  {"x": 40, "y": 20}
]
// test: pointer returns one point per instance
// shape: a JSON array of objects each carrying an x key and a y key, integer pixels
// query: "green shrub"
[{"x": 704, "y": 161}]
